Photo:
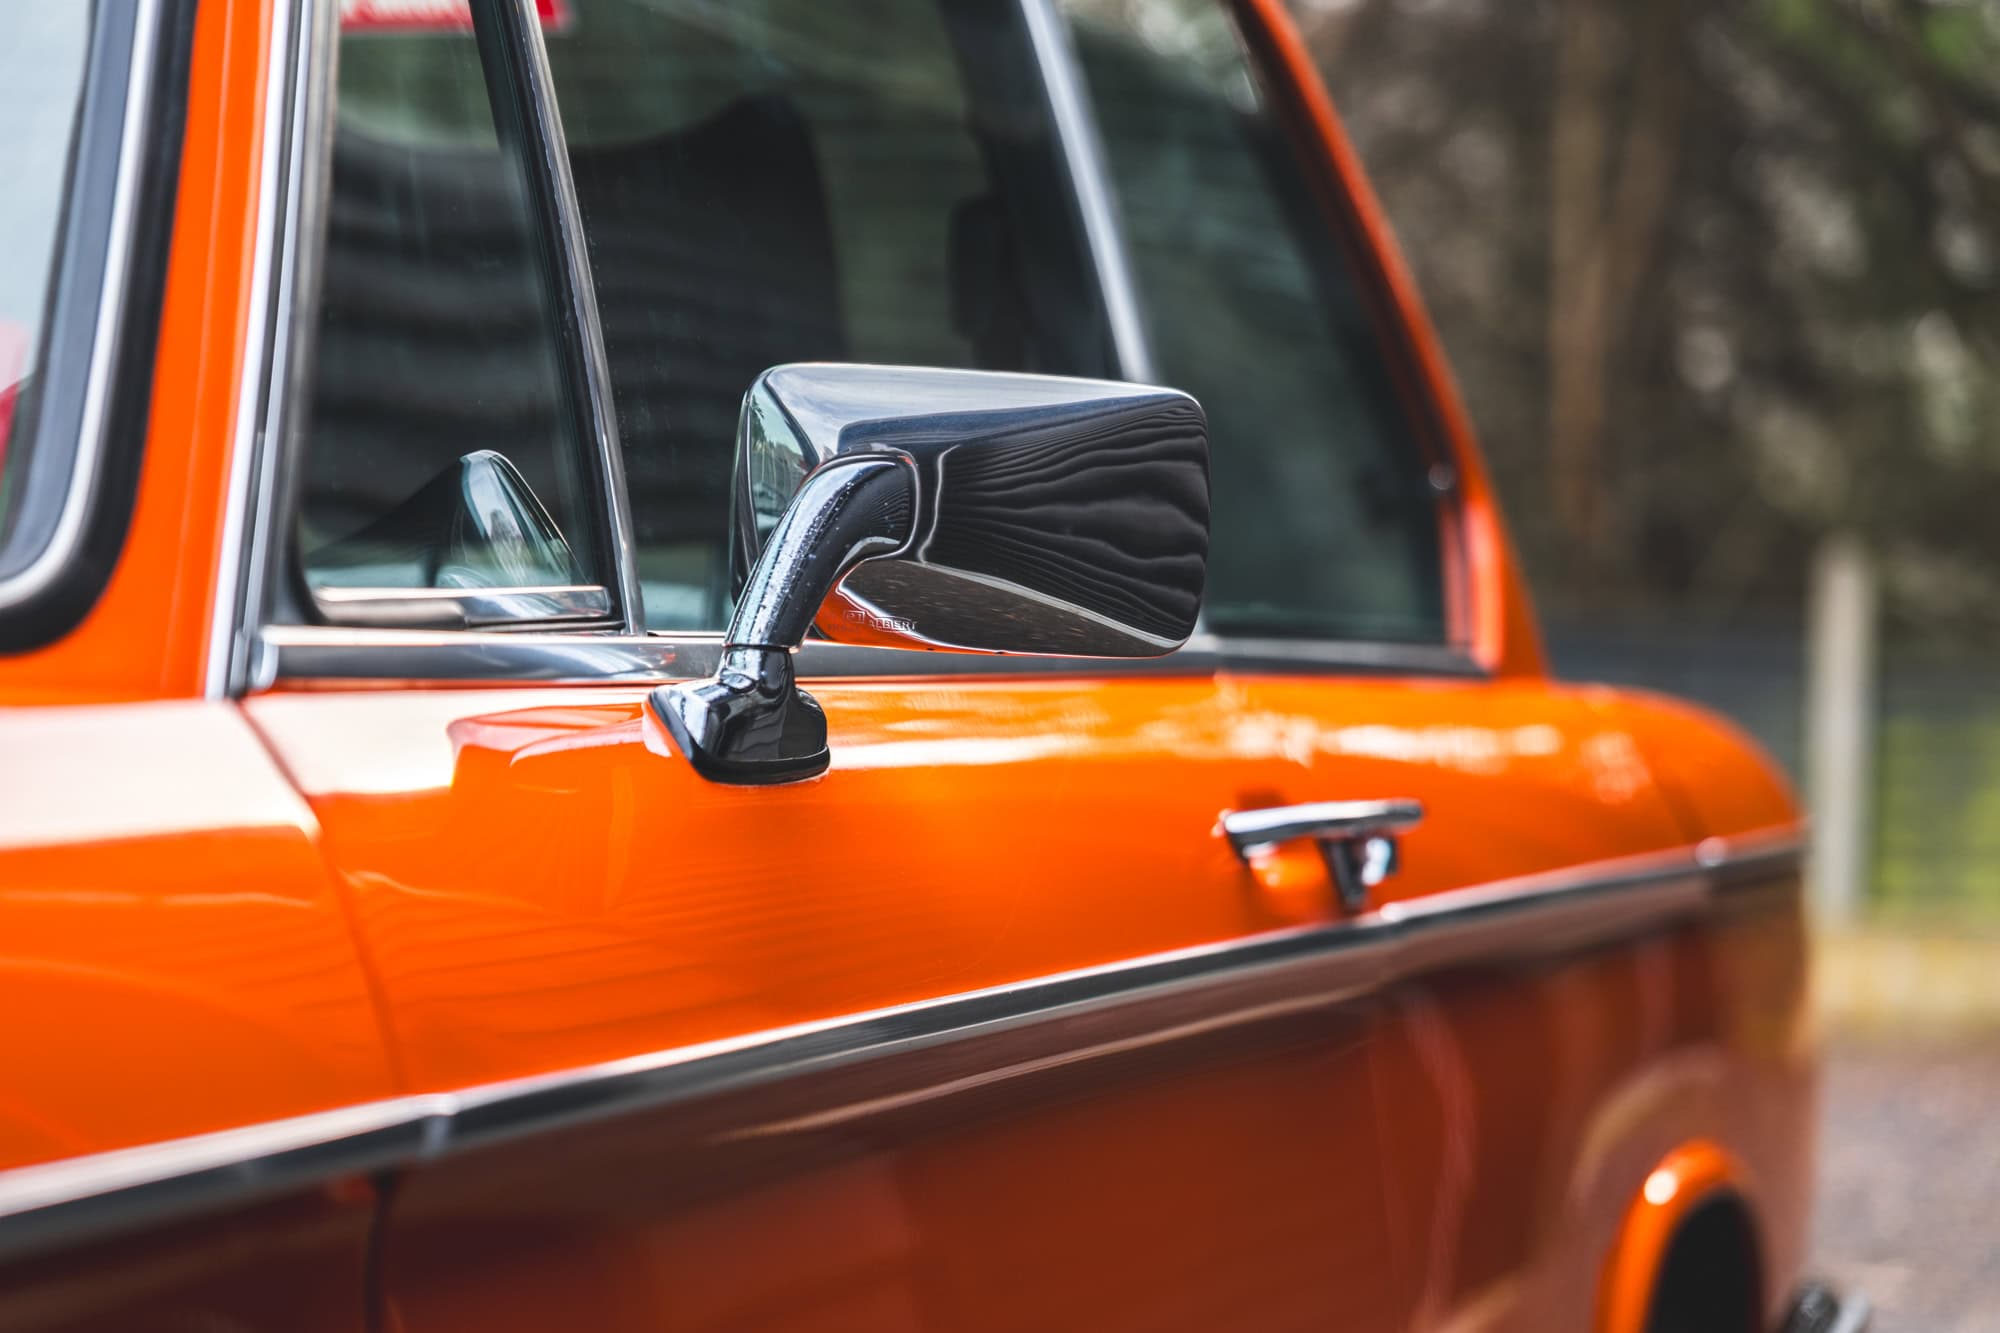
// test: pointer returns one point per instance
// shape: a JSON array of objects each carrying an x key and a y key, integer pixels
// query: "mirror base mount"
[{"x": 748, "y": 724}]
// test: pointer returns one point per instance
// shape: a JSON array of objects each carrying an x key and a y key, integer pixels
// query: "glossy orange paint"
[
  {"x": 167, "y": 913},
  {"x": 526, "y": 911},
  {"x": 1531, "y": 1104},
  {"x": 147, "y": 636},
  {"x": 1523, "y": 1105},
  {"x": 160, "y": 886},
  {"x": 528, "y": 906},
  {"x": 1690, "y": 1176}
]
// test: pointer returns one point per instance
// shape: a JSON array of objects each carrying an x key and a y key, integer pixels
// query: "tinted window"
[
  {"x": 766, "y": 181},
  {"x": 1324, "y": 521},
  {"x": 443, "y": 449},
  {"x": 42, "y": 60}
]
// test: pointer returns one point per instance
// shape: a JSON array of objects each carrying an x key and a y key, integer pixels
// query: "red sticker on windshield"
[
  {"x": 411, "y": 16},
  {"x": 13, "y": 365}
]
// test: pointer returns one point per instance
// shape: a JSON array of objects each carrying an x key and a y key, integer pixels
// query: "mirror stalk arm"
[{"x": 750, "y": 723}]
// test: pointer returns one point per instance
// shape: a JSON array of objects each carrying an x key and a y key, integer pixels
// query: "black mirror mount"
[
  {"x": 957, "y": 511},
  {"x": 750, "y": 723}
]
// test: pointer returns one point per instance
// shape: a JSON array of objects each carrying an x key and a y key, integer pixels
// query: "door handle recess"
[{"x": 1357, "y": 838}]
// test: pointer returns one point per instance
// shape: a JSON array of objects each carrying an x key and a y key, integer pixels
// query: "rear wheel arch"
[{"x": 1689, "y": 1257}]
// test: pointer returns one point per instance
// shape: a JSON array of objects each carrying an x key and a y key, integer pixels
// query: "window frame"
[
  {"x": 532, "y": 651},
  {"x": 80, "y": 456}
]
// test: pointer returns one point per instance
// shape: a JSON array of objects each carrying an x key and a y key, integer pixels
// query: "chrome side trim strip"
[
  {"x": 67, "y": 534},
  {"x": 1083, "y": 153},
  {"x": 997, "y": 1033},
  {"x": 42, "y": 1207}
]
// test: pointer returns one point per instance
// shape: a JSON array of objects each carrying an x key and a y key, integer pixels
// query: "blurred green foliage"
[{"x": 1719, "y": 277}]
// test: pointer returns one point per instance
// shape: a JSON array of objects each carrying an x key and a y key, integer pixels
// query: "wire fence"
[{"x": 1932, "y": 845}]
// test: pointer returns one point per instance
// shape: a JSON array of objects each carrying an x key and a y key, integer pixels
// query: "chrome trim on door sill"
[
  {"x": 310, "y": 653},
  {"x": 331, "y": 655},
  {"x": 1276, "y": 656},
  {"x": 978, "y": 1037}
]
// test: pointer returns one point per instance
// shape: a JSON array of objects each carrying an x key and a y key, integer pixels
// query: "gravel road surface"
[{"x": 1909, "y": 1191}]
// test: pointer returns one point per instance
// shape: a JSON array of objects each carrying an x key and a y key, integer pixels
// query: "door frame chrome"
[
  {"x": 562, "y": 219},
  {"x": 1083, "y": 155},
  {"x": 285, "y": 266}
]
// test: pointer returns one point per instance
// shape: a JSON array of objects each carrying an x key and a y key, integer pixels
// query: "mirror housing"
[{"x": 951, "y": 510}]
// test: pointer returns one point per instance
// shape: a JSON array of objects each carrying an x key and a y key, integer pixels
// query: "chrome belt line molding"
[{"x": 991, "y": 1035}]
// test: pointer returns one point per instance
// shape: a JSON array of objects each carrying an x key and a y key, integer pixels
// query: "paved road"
[{"x": 1909, "y": 1193}]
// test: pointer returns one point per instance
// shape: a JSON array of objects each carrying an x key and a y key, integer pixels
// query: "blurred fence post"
[{"x": 1840, "y": 724}]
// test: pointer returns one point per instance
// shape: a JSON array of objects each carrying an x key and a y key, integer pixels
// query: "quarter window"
[
  {"x": 1324, "y": 522},
  {"x": 764, "y": 181},
  {"x": 443, "y": 449}
]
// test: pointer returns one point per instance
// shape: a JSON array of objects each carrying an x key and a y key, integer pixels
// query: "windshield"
[{"x": 42, "y": 50}]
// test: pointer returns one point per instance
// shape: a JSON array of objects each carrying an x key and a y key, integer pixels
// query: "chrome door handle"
[{"x": 1357, "y": 838}]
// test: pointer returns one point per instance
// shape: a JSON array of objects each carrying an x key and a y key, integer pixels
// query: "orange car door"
[{"x": 986, "y": 1027}]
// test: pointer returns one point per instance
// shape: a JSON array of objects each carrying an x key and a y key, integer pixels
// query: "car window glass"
[
  {"x": 1324, "y": 521},
  {"x": 764, "y": 181},
  {"x": 42, "y": 60},
  {"x": 442, "y": 449}
]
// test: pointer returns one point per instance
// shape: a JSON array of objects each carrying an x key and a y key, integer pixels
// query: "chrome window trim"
[
  {"x": 1083, "y": 157},
  {"x": 283, "y": 277},
  {"x": 564, "y": 219},
  {"x": 527, "y": 657},
  {"x": 1008, "y": 1031},
  {"x": 474, "y": 608},
  {"x": 121, "y": 236},
  {"x": 538, "y": 654}
]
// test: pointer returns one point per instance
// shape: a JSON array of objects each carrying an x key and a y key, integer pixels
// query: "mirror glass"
[{"x": 1052, "y": 515}]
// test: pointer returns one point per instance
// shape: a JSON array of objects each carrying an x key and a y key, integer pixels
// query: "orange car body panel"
[
  {"x": 163, "y": 897},
  {"x": 236, "y": 912},
  {"x": 528, "y": 907}
]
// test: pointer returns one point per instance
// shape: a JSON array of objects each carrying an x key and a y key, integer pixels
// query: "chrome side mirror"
[{"x": 955, "y": 510}]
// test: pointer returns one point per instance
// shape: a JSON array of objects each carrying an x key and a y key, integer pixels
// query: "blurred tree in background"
[{"x": 1718, "y": 278}]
